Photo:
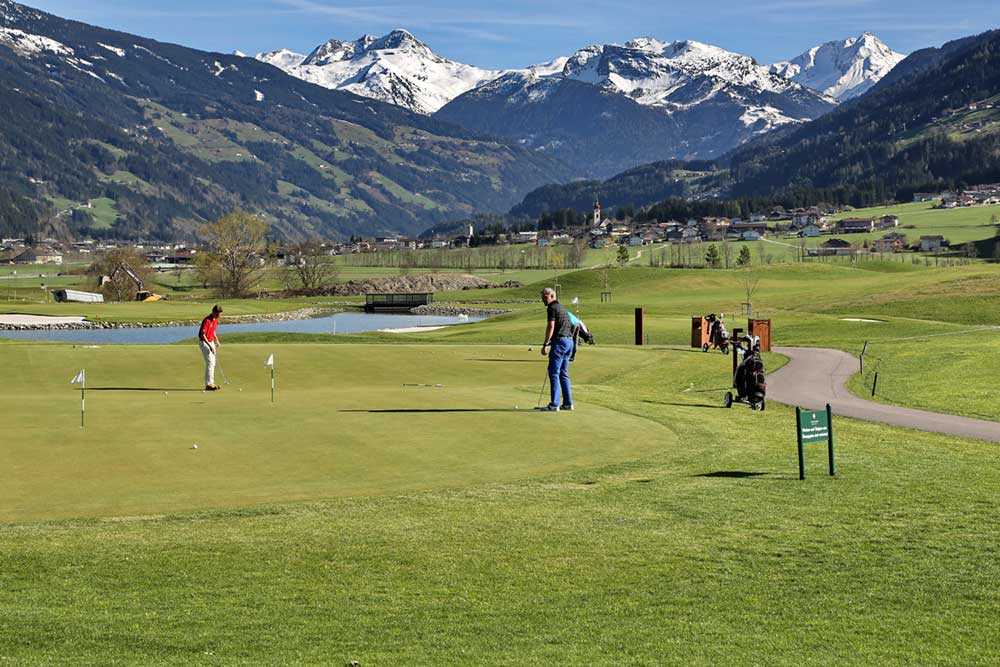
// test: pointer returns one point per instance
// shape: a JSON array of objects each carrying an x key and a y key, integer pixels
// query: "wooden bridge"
[{"x": 398, "y": 301}]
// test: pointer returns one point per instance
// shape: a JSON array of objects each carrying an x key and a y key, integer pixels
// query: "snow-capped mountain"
[
  {"x": 397, "y": 68},
  {"x": 841, "y": 69},
  {"x": 690, "y": 99}
]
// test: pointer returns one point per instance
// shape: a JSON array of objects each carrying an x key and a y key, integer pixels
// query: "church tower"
[{"x": 597, "y": 212}]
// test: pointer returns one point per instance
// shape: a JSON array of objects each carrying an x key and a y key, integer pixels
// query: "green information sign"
[{"x": 813, "y": 427}]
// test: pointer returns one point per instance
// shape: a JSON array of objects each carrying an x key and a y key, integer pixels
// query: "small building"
[
  {"x": 836, "y": 247},
  {"x": 932, "y": 243},
  {"x": 926, "y": 196},
  {"x": 811, "y": 216},
  {"x": 888, "y": 222},
  {"x": 810, "y": 231},
  {"x": 856, "y": 225},
  {"x": 39, "y": 255},
  {"x": 889, "y": 243}
]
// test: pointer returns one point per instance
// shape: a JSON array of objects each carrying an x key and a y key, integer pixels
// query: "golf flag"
[
  {"x": 270, "y": 364},
  {"x": 81, "y": 379}
]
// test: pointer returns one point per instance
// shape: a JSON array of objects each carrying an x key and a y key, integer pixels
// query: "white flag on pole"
[
  {"x": 80, "y": 378},
  {"x": 270, "y": 361}
]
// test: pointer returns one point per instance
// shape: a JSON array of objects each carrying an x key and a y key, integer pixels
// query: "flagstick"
[
  {"x": 83, "y": 401},
  {"x": 272, "y": 383}
]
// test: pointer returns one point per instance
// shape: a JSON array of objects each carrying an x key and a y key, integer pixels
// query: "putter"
[
  {"x": 538, "y": 403},
  {"x": 225, "y": 380}
]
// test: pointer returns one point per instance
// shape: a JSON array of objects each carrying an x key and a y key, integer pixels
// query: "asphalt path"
[{"x": 814, "y": 377}]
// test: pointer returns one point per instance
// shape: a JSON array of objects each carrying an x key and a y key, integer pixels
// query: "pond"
[{"x": 340, "y": 323}]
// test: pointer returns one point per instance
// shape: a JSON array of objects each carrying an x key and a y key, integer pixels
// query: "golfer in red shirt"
[{"x": 208, "y": 341}]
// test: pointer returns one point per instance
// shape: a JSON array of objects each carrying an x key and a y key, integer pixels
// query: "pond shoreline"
[{"x": 300, "y": 314}]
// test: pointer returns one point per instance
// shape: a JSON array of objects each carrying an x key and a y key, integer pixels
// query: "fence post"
[{"x": 638, "y": 326}]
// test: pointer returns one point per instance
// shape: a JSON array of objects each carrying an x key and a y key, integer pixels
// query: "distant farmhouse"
[{"x": 856, "y": 225}]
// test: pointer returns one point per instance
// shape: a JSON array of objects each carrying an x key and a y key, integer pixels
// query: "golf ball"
[
  {"x": 194, "y": 446},
  {"x": 164, "y": 393},
  {"x": 241, "y": 389}
]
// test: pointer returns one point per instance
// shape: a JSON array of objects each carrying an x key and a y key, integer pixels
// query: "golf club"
[
  {"x": 538, "y": 403},
  {"x": 225, "y": 380}
]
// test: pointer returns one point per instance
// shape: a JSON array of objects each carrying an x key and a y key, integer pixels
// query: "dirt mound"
[{"x": 419, "y": 282}]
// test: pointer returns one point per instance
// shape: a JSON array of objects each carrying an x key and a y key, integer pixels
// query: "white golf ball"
[
  {"x": 194, "y": 446},
  {"x": 241, "y": 389},
  {"x": 164, "y": 393}
]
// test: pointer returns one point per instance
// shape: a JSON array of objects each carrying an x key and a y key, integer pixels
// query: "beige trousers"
[{"x": 208, "y": 351}]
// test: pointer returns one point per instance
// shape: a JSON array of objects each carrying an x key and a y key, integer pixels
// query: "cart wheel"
[
  {"x": 725, "y": 351},
  {"x": 728, "y": 400},
  {"x": 704, "y": 348}
]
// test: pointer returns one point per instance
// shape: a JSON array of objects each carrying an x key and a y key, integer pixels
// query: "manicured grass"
[
  {"x": 648, "y": 527},
  {"x": 956, "y": 373}
]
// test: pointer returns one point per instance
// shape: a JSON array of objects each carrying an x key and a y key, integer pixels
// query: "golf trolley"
[
  {"x": 750, "y": 381},
  {"x": 718, "y": 337}
]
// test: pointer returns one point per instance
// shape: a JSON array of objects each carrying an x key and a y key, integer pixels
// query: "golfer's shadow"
[
  {"x": 141, "y": 389},
  {"x": 687, "y": 405},
  {"x": 515, "y": 361},
  {"x": 731, "y": 474},
  {"x": 435, "y": 410}
]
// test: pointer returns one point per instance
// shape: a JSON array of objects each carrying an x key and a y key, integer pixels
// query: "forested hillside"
[{"x": 111, "y": 134}]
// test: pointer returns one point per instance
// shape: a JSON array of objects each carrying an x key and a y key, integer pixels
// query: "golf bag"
[
  {"x": 718, "y": 337},
  {"x": 580, "y": 332},
  {"x": 750, "y": 381}
]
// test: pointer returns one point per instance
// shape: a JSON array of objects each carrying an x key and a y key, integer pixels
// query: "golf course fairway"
[{"x": 358, "y": 520}]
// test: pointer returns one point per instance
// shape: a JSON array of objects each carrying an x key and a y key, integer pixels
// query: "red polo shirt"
[{"x": 208, "y": 326}]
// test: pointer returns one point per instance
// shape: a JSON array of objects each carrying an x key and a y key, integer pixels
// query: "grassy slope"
[{"x": 657, "y": 529}]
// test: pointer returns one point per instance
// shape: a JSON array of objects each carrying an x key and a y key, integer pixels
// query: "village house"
[
  {"x": 810, "y": 216},
  {"x": 835, "y": 247},
  {"x": 889, "y": 243},
  {"x": 810, "y": 231},
  {"x": 39, "y": 255},
  {"x": 932, "y": 243},
  {"x": 856, "y": 225},
  {"x": 888, "y": 222},
  {"x": 714, "y": 229},
  {"x": 747, "y": 230}
]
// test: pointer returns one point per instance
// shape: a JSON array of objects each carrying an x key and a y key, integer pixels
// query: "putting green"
[{"x": 343, "y": 425}]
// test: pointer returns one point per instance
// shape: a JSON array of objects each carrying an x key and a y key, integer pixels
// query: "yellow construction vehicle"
[{"x": 141, "y": 293}]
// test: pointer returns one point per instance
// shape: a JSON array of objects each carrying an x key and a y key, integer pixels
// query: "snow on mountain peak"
[
  {"x": 397, "y": 68},
  {"x": 842, "y": 69},
  {"x": 282, "y": 58}
]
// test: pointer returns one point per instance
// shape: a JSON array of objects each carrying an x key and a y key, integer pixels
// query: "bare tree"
[
  {"x": 750, "y": 277},
  {"x": 234, "y": 262},
  {"x": 119, "y": 285},
  {"x": 312, "y": 269}
]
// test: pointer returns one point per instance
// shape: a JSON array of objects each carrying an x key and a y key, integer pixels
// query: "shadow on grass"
[
  {"x": 441, "y": 410},
  {"x": 731, "y": 474},
  {"x": 689, "y": 405},
  {"x": 140, "y": 389},
  {"x": 515, "y": 361}
]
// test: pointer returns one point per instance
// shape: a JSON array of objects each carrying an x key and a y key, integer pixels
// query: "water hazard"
[{"x": 340, "y": 323}]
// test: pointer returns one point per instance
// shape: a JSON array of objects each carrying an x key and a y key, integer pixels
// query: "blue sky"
[{"x": 521, "y": 32}]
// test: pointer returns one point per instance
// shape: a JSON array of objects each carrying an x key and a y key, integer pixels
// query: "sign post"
[{"x": 814, "y": 427}]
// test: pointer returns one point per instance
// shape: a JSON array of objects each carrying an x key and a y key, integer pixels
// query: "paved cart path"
[{"x": 814, "y": 377}]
